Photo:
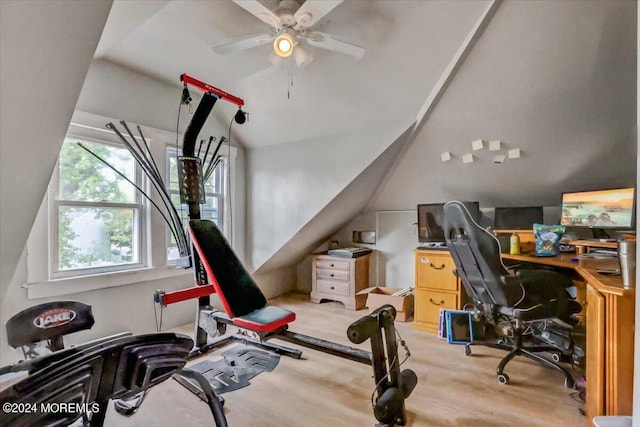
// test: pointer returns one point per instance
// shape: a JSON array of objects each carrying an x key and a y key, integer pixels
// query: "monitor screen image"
[
  {"x": 431, "y": 220},
  {"x": 517, "y": 218},
  {"x": 599, "y": 209}
]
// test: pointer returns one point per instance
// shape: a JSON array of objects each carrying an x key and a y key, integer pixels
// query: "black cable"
[
  {"x": 393, "y": 361},
  {"x": 229, "y": 183},
  {"x": 206, "y": 152},
  {"x": 173, "y": 232},
  {"x": 152, "y": 167},
  {"x": 178, "y": 120},
  {"x": 200, "y": 147},
  {"x": 150, "y": 156},
  {"x": 149, "y": 166},
  {"x": 158, "y": 184},
  {"x": 211, "y": 166}
]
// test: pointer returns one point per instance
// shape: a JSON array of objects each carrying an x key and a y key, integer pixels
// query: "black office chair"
[
  {"x": 78, "y": 382},
  {"x": 524, "y": 313}
]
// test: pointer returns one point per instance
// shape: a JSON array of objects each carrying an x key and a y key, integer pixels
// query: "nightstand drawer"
[
  {"x": 332, "y": 265},
  {"x": 331, "y": 287},
  {"x": 332, "y": 274}
]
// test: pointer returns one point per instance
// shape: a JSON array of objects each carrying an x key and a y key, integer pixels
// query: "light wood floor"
[{"x": 322, "y": 390}]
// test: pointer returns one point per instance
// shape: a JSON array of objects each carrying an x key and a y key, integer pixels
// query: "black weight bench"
[
  {"x": 78, "y": 382},
  {"x": 244, "y": 304}
]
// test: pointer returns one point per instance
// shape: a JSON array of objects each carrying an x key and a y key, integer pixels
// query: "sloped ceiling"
[
  {"x": 555, "y": 79},
  {"x": 45, "y": 54}
]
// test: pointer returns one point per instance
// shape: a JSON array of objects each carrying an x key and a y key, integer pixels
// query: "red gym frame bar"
[
  {"x": 166, "y": 298},
  {"x": 207, "y": 88}
]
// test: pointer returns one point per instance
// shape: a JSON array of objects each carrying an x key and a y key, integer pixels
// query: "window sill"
[{"x": 60, "y": 287}]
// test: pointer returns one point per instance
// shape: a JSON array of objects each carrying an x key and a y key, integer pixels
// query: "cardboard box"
[{"x": 379, "y": 296}]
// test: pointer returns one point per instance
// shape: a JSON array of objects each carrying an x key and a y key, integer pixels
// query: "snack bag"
[{"x": 547, "y": 238}]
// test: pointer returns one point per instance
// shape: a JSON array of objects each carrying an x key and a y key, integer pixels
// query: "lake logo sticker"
[{"x": 54, "y": 318}]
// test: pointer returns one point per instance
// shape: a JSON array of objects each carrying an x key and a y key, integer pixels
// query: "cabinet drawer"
[
  {"x": 435, "y": 272},
  {"x": 323, "y": 273},
  {"x": 429, "y": 303},
  {"x": 330, "y": 287},
  {"x": 332, "y": 265}
]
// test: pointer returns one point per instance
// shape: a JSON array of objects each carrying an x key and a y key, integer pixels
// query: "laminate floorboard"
[{"x": 321, "y": 390}]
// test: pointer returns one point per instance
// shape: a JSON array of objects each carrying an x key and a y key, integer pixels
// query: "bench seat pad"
[{"x": 265, "y": 319}]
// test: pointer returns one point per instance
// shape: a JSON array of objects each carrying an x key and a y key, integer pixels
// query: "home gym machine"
[{"x": 218, "y": 270}]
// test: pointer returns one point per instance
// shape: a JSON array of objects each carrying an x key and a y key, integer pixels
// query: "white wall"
[{"x": 289, "y": 184}]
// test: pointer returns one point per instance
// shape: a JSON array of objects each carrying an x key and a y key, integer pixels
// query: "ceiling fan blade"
[
  {"x": 302, "y": 57},
  {"x": 276, "y": 60},
  {"x": 329, "y": 42},
  {"x": 256, "y": 8},
  {"x": 312, "y": 11},
  {"x": 243, "y": 43}
]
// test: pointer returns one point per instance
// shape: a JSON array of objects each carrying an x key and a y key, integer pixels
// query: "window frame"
[
  {"x": 84, "y": 125},
  {"x": 139, "y": 220}
]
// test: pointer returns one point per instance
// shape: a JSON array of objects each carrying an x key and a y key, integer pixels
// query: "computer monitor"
[
  {"x": 599, "y": 209},
  {"x": 517, "y": 218},
  {"x": 431, "y": 220}
]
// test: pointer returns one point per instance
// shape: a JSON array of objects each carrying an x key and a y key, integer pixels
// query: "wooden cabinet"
[
  {"x": 610, "y": 334},
  {"x": 436, "y": 288},
  {"x": 609, "y": 318},
  {"x": 595, "y": 371},
  {"x": 340, "y": 279}
]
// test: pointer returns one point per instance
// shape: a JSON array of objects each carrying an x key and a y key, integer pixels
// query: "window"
[
  {"x": 214, "y": 187},
  {"x": 95, "y": 230},
  {"x": 96, "y": 220}
]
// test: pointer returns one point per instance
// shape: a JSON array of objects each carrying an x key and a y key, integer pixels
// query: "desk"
[{"x": 609, "y": 317}]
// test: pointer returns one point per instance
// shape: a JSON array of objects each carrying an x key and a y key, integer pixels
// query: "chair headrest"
[{"x": 49, "y": 320}]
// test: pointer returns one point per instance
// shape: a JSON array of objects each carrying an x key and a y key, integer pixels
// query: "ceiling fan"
[{"x": 290, "y": 28}]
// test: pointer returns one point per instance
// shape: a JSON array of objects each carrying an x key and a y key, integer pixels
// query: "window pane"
[
  {"x": 173, "y": 172},
  {"x": 85, "y": 178},
  {"x": 96, "y": 237},
  {"x": 210, "y": 209},
  {"x": 214, "y": 183}
]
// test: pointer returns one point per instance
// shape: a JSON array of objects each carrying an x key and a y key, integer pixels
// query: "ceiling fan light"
[{"x": 283, "y": 45}]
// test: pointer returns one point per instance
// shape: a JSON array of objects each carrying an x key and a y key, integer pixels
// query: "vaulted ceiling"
[{"x": 408, "y": 43}]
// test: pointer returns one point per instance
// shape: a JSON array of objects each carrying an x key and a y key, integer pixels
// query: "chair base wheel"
[
  {"x": 569, "y": 383},
  {"x": 467, "y": 350},
  {"x": 503, "y": 378}
]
